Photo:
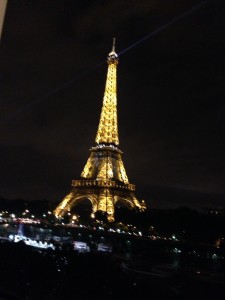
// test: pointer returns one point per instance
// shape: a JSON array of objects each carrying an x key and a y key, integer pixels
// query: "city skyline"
[{"x": 170, "y": 97}]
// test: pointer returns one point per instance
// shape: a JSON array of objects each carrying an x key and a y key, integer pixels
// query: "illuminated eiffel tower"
[{"x": 104, "y": 181}]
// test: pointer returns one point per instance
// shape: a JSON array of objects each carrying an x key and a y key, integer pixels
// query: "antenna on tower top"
[
  {"x": 113, "y": 46},
  {"x": 112, "y": 56}
]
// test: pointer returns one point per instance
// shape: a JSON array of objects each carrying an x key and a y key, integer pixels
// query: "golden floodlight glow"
[{"x": 104, "y": 181}]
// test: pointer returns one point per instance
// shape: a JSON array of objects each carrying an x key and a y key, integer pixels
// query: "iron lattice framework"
[{"x": 104, "y": 180}]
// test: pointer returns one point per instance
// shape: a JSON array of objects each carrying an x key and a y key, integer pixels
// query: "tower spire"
[{"x": 107, "y": 132}]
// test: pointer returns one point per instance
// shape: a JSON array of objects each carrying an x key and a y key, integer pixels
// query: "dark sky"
[{"x": 171, "y": 96}]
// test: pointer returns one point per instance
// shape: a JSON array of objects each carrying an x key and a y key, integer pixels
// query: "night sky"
[{"x": 171, "y": 96}]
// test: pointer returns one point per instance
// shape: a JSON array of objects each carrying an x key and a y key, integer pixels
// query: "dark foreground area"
[{"x": 31, "y": 274}]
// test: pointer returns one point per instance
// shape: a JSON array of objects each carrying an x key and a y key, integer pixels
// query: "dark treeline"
[
  {"x": 19, "y": 205},
  {"x": 183, "y": 222}
]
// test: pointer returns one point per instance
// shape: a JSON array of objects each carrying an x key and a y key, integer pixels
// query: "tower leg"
[
  {"x": 110, "y": 218},
  {"x": 64, "y": 206}
]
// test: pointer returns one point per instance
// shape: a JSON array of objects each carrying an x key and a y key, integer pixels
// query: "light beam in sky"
[
  {"x": 78, "y": 77},
  {"x": 185, "y": 14}
]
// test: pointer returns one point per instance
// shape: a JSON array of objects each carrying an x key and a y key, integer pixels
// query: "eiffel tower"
[{"x": 104, "y": 181}]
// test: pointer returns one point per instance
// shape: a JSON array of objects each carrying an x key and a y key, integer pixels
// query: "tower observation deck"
[{"x": 104, "y": 181}]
